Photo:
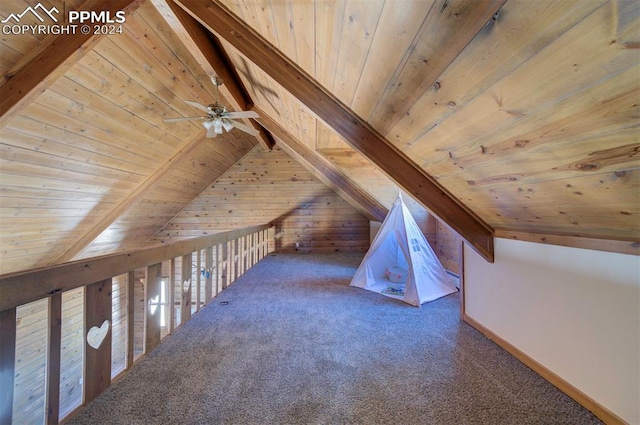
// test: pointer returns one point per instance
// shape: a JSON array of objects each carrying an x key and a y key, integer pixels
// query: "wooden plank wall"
[
  {"x": 447, "y": 248},
  {"x": 272, "y": 187},
  {"x": 30, "y": 361},
  {"x": 118, "y": 325},
  {"x": 71, "y": 358}
]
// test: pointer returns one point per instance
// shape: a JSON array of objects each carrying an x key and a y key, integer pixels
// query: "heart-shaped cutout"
[
  {"x": 186, "y": 285},
  {"x": 153, "y": 304},
  {"x": 96, "y": 335}
]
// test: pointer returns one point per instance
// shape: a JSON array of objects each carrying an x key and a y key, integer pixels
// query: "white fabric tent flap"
[{"x": 400, "y": 243}]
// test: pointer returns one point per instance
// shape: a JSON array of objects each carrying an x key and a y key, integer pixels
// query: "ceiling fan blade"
[
  {"x": 250, "y": 130},
  {"x": 242, "y": 114},
  {"x": 184, "y": 119},
  {"x": 198, "y": 106}
]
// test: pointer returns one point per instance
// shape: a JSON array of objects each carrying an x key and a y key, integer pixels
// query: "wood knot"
[
  {"x": 437, "y": 85},
  {"x": 589, "y": 167},
  {"x": 521, "y": 143}
]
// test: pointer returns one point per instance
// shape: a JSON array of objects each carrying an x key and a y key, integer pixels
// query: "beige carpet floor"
[{"x": 294, "y": 344}]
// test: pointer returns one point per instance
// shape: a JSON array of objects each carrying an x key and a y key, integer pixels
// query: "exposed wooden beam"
[
  {"x": 51, "y": 59},
  {"x": 210, "y": 55},
  {"x": 357, "y": 132},
  {"x": 133, "y": 198},
  {"x": 324, "y": 170}
]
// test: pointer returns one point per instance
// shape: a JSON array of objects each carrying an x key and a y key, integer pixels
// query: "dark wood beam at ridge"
[
  {"x": 211, "y": 56},
  {"x": 357, "y": 132},
  {"x": 324, "y": 170},
  {"x": 51, "y": 59}
]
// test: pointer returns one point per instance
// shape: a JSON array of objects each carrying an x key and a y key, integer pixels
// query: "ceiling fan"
[{"x": 218, "y": 117}]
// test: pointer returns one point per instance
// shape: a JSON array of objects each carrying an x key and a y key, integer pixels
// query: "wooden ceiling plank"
[
  {"x": 324, "y": 170},
  {"x": 211, "y": 56},
  {"x": 481, "y": 66},
  {"x": 296, "y": 38},
  {"x": 586, "y": 45},
  {"x": 627, "y": 14},
  {"x": 554, "y": 126},
  {"x": 360, "y": 21},
  {"x": 355, "y": 130},
  {"x": 49, "y": 63},
  {"x": 446, "y": 31},
  {"x": 135, "y": 99},
  {"x": 133, "y": 198},
  {"x": 327, "y": 45},
  {"x": 399, "y": 22}
]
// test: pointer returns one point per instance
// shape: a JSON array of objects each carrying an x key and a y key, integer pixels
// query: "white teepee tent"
[{"x": 399, "y": 248}]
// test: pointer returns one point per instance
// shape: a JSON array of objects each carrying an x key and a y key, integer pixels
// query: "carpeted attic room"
[{"x": 190, "y": 188}]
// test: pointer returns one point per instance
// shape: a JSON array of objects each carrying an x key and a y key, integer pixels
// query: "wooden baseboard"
[{"x": 587, "y": 402}]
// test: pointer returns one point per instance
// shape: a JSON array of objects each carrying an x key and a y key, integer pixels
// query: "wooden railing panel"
[
  {"x": 208, "y": 264},
  {"x": 7, "y": 363},
  {"x": 139, "y": 314},
  {"x": 71, "y": 356},
  {"x": 171, "y": 296},
  {"x": 198, "y": 281},
  {"x": 32, "y": 327},
  {"x": 186, "y": 286},
  {"x": 27, "y": 286},
  {"x": 118, "y": 325},
  {"x": 53, "y": 359},
  {"x": 236, "y": 252},
  {"x": 225, "y": 265},
  {"x": 93, "y": 308},
  {"x": 218, "y": 270},
  {"x": 152, "y": 306},
  {"x": 131, "y": 277},
  {"x": 97, "y": 371}
]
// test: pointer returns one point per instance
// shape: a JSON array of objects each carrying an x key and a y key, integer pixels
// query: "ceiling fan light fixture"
[
  {"x": 217, "y": 125},
  {"x": 218, "y": 118},
  {"x": 227, "y": 125}
]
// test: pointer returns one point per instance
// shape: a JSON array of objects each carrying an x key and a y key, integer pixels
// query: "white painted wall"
[{"x": 575, "y": 311}]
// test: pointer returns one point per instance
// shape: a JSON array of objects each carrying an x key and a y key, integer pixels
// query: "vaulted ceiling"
[{"x": 498, "y": 116}]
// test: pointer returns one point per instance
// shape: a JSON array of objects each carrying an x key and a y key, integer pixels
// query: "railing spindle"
[{"x": 54, "y": 347}]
